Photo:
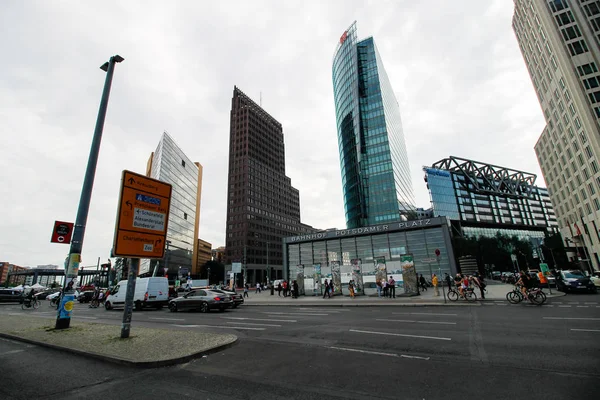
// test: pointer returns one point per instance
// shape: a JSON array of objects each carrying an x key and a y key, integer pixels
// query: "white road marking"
[
  {"x": 81, "y": 316},
  {"x": 294, "y": 314},
  {"x": 320, "y": 309},
  {"x": 574, "y": 318},
  {"x": 583, "y": 306},
  {"x": 557, "y": 302},
  {"x": 573, "y": 302},
  {"x": 261, "y": 319},
  {"x": 399, "y": 334},
  {"x": 503, "y": 304},
  {"x": 565, "y": 306},
  {"x": 168, "y": 319},
  {"x": 378, "y": 353},
  {"x": 590, "y": 302},
  {"x": 418, "y": 322},
  {"x": 11, "y": 352},
  {"x": 221, "y": 327},
  {"x": 250, "y": 323},
  {"x": 586, "y": 330},
  {"x": 424, "y": 313}
]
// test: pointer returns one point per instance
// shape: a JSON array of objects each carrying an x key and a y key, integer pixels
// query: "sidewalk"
[
  {"x": 104, "y": 342},
  {"x": 495, "y": 292}
]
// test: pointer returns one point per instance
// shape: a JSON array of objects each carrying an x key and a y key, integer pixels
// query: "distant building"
[
  {"x": 483, "y": 199},
  {"x": 218, "y": 254},
  {"x": 170, "y": 164},
  {"x": 204, "y": 255},
  {"x": 262, "y": 205},
  {"x": 559, "y": 40},
  {"x": 422, "y": 213},
  {"x": 6, "y": 268},
  {"x": 373, "y": 158}
]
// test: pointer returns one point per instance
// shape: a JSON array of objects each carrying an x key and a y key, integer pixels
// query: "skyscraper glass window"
[{"x": 373, "y": 159}]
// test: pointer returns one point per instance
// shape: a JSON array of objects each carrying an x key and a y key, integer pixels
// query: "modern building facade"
[
  {"x": 262, "y": 205},
  {"x": 483, "y": 199},
  {"x": 376, "y": 179},
  {"x": 170, "y": 164},
  {"x": 6, "y": 268},
  {"x": 559, "y": 40},
  {"x": 369, "y": 253}
]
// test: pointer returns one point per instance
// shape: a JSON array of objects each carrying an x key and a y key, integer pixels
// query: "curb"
[{"x": 123, "y": 361}]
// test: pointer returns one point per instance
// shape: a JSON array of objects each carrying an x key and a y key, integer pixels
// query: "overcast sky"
[{"x": 455, "y": 67}]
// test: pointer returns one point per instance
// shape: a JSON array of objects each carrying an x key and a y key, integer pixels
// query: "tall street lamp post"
[{"x": 63, "y": 318}]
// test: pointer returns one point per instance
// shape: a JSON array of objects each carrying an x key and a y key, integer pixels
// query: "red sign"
[
  {"x": 62, "y": 232},
  {"x": 437, "y": 252},
  {"x": 344, "y": 37}
]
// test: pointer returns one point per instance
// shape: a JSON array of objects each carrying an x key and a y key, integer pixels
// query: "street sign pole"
[
  {"x": 63, "y": 318},
  {"x": 134, "y": 266},
  {"x": 437, "y": 255}
]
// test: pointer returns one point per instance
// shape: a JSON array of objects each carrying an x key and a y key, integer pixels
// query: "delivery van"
[{"x": 149, "y": 292}]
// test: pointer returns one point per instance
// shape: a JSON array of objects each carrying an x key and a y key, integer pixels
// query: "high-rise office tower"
[
  {"x": 373, "y": 160},
  {"x": 170, "y": 164},
  {"x": 262, "y": 205},
  {"x": 559, "y": 41}
]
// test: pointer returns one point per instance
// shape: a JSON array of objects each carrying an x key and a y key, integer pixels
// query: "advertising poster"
[
  {"x": 317, "y": 278},
  {"x": 300, "y": 278},
  {"x": 409, "y": 274},
  {"x": 380, "y": 271},
  {"x": 66, "y": 306},
  {"x": 336, "y": 277},
  {"x": 357, "y": 276}
]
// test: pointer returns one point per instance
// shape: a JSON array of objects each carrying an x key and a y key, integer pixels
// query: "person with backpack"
[
  {"x": 327, "y": 288},
  {"x": 392, "y": 287}
]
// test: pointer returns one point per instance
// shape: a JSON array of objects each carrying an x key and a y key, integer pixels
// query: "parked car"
[
  {"x": 496, "y": 275},
  {"x": 595, "y": 278},
  {"x": 237, "y": 298},
  {"x": 149, "y": 292},
  {"x": 10, "y": 295},
  {"x": 85, "y": 297},
  {"x": 574, "y": 280},
  {"x": 45, "y": 293},
  {"x": 201, "y": 299}
]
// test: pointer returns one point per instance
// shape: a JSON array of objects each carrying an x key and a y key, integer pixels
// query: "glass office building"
[
  {"x": 481, "y": 199},
  {"x": 361, "y": 253},
  {"x": 373, "y": 159},
  {"x": 170, "y": 164}
]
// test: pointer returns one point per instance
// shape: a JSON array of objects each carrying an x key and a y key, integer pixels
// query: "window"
[
  {"x": 587, "y": 69},
  {"x": 577, "y": 47},
  {"x": 557, "y": 5},
  {"x": 183, "y": 163},
  {"x": 571, "y": 32},
  {"x": 588, "y": 151},
  {"x": 565, "y": 18},
  {"x": 591, "y": 83},
  {"x": 184, "y": 215}
]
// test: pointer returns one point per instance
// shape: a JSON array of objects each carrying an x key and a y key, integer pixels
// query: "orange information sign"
[{"x": 142, "y": 218}]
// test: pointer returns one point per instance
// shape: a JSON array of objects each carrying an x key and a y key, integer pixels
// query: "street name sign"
[{"x": 142, "y": 218}]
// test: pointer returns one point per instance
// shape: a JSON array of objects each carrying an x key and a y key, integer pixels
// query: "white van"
[{"x": 149, "y": 292}]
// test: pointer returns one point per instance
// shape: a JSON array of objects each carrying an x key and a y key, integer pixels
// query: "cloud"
[{"x": 457, "y": 73}]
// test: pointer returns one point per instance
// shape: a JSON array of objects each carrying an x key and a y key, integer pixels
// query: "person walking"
[
  {"x": 434, "y": 282},
  {"x": 422, "y": 282},
  {"x": 285, "y": 288},
  {"x": 331, "y": 287},
  {"x": 246, "y": 290},
  {"x": 317, "y": 288},
  {"x": 448, "y": 281},
  {"x": 385, "y": 287},
  {"x": 478, "y": 281},
  {"x": 392, "y": 287},
  {"x": 279, "y": 288},
  {"x": 378, "y": 284},
  {"x": 295, "y": 289},
  {"x": 257, "y": 288},
  {"x": 326, "y": 288},
  {"x": 351, "y": 288}
]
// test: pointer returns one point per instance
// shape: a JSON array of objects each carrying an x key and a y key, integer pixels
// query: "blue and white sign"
[{"x": 147, "y": 199}]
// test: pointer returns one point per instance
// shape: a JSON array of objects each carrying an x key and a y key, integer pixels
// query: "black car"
[
  {"x": 574, "y": 281},
  {"x": 237, "y": 298},
  {"x": 11, "y": 295},
  {"x": 85, "y": 297},
  {"x": 201, "y": 299}
]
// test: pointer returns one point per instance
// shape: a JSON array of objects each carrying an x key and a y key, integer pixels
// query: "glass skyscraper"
[
  {"x": 373, "y": 159},
  {"x": 170, "y": 164}
]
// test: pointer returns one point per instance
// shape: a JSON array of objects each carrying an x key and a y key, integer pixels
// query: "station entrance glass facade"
[{"x": 364, "y": 254}]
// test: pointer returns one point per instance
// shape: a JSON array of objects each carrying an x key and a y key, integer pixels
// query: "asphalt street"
[{"x": 489, "y": 351}]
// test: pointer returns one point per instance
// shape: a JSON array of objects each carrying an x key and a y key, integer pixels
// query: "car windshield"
[{"x": 574, "y": 274}]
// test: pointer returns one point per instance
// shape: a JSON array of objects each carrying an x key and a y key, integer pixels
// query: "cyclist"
[
  {"x": 525, "y": 283},
  {"x": 464, "y": 285}
]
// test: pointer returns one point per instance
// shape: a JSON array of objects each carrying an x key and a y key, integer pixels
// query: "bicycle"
[
  {"x": 30, "y": 303},
  {"x": 469, "y": 295},
  {"x": 535, "y": 296}
]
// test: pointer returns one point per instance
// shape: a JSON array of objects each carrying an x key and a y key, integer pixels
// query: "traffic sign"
[
  {"x": 437, "y": 252},
  {"x": 143, "y": 216},
  {"x": 62, "y": 232},
  {"x": 544, "y": 268}
]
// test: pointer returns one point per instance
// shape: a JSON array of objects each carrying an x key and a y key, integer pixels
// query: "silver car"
[{"x": 201, "y": 299}]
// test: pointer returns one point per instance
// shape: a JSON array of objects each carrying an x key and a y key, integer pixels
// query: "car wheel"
[
  {"x": 107, "y": 306},
  {"x": 204, "y": 307},
  {"x": 173, "y": 307},
  {"x": 138, "y": 306}
]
